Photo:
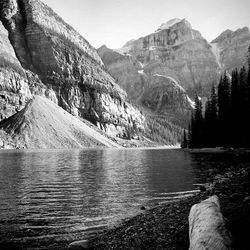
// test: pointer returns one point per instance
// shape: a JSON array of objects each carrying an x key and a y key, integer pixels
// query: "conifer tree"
[
  {"x": 190, "y": 139},
  {"x": 235, "y": 106},
  {"x": 224, "y": 110},
  {"x": 207, "y": 127},
  {"x": 248, "y": 101},
  {"x": 184, "y": 143},
  {"x": 197, "y": 125},
  {"x": 242, "y": 107},
  {"x": 210, "y": 121},
  {"x": 227, "y": 113}
]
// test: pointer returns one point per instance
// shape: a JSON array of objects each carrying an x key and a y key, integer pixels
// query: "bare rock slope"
[
  {"x": 43, "y": 55},
  {"x": 175, "y": 54},
  {"x": 178, "y": 51},
  {"x": 43, "y": 124},
  {"x": 231, "y": 48}
]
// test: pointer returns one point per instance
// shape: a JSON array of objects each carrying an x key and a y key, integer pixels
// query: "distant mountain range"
[
  {"x": 165, "y": 69},
  {"x": 143, "y": 90}
]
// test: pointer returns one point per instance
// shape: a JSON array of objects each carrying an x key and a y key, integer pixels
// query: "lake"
[{"x": 49, "y": 198}]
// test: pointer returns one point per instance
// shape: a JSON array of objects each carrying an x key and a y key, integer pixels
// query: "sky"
[{"x": 114, "y": 22}]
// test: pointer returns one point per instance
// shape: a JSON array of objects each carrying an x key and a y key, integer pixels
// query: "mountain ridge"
[
  {"x": 175, "y": 51},
  {"x": 58, "y": 63}
]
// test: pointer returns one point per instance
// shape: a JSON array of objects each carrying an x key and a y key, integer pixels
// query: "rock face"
[
  {"x": 40, "y": 125},
  {"x": 232, "y": 48},
  {"x": 175, "y": 51},
  {"x": 16, "y": 84},
  {"x": 124, "y": 68},
  {"x": 178, "y": 51},
  {"x": 48, "y": 57},
  {"x": 165, "y": 96}
]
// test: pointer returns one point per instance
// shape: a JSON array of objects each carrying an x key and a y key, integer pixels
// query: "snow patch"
[
  {"x": 191, "y": 102},
  {"x": 192, "y": 34},
  {"x": 151, "y": 48},
  {"x": 123, "y": 50},
  {"x": 216, "y": 51},
  {"x": 141, "y": 64},
  {"x": 170, "y": 23},
  {"x": 127, "y": 54},
  {"x": 141, "y": 72},
  {"x": 228, "y": 75},
  {"x": 176, "y": 84}
]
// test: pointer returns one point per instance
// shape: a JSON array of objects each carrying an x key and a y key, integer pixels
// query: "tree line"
[{"x": 225, "y": 121}]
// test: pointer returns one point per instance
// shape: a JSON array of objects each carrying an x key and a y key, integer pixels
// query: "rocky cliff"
[
  {"x": 43, "y": 55},
  {"x": 178, "y": 51},
  {"x": 125, "y": 69},
  {"x": 175, "y": 51},
  {"x": 231, "y": 48},
  {"x": 40, "y": 125},
  {"x": 17, "y": 85},
  {"x": 165, "y": 96}
]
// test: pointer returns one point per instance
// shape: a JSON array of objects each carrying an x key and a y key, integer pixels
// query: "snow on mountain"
[
  {"x": 141, "y": 64},
  {"x": 175, "y": 83},
  {"x": 168, "y": 24},
  {"x": 216, "y": 51},
  {"x": 192, "y": 103}
]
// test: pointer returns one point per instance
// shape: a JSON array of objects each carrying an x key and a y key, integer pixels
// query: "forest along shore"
[{"x": 166, "y": 226}]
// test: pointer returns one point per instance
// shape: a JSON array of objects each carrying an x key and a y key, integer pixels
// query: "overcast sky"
[{"x": 114, "y": 22}]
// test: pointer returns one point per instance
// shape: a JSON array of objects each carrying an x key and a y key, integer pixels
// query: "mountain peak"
[
  {"x": 104, "y": 46},
  {"x": 229, "y": 34},
  {"x": 223, "y": 35},
  {"x": 172, "y": 22}
]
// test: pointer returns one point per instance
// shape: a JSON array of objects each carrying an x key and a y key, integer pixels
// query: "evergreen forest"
[{"x": 225, "y": 119}]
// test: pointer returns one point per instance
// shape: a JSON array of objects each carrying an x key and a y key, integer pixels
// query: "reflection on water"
[{"x": 48, "y": 198}]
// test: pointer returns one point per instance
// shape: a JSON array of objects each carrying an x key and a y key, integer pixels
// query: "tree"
[
  {"x": 190, "y": 139},
  {"x": 248, "y": 100},
  {"x": 197, "y": 125},
  {"x": 235, "y": 107},
  {"x": 227, "y": 114},
  {"x": 210, "y": 120},
  {"x": 224, "y": 110},
  {"x": 242, "y": 107},
  {"x": 184, "y": 143}
]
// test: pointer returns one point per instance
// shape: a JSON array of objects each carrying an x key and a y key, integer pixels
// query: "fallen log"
[
  {"x": 79, "y": 245},
  {"x": 207, "y": 230}
]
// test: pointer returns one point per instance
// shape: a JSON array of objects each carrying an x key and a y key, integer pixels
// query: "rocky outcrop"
[
  {"x": 166, "y": 96},
  {"x": 42, "y": 124},
  {"x": 175, "y": 51},
  {"x": 53, "y": 56},
  {"x": 232, "y": 48},
  {"x": 178, "y": 51},
  {"x": 125, "y": 69},
  {"x": 16, "y": 84}
]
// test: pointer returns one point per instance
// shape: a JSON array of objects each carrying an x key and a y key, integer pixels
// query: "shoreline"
[
  {"x": 94, "y": 148},
  {"x": 165, "y": 226}
]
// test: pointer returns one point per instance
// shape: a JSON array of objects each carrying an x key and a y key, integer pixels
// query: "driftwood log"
[{"x": 207, "y": 227}]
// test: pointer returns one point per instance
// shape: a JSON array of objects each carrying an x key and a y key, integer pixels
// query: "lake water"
[{"x": 50, "y": 198}]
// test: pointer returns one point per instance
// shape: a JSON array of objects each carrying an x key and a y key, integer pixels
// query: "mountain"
[
  {"x": 178, "y": 51},
  {"x": 40, "y": 125},
  {"x": 125, "y": 69},
  {"x": 166, "y": 96},
  {"x": 231, "y": 48},
  {"x": 42, "y": 55},
  {"x": 16, "y": 84},
  {"x": 151, "y": 67}
]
